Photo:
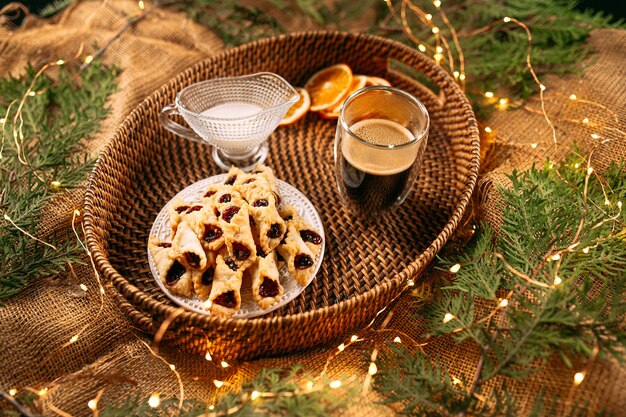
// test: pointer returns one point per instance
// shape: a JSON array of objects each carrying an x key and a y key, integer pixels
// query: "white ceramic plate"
[{"x": 289, "y": 196}]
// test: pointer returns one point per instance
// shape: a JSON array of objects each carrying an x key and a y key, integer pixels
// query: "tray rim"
[{"x": 143, "y": 300}]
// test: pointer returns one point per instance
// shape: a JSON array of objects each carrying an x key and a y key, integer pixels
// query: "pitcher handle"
[{"x": 176, "y": 128}]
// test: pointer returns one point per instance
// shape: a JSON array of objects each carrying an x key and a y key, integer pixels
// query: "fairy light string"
[{"x": 441, "y": 46}]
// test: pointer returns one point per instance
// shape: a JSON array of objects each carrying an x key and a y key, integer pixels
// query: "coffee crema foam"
[{"x": 379, "y": 161}]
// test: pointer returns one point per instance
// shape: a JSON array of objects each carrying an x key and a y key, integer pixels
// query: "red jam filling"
[
  {"x": 226, "y": 299},
  {"x": 269, "y": 288},
  {"x": 175, "y": 272},
  {"x": 229, "y": 213}
]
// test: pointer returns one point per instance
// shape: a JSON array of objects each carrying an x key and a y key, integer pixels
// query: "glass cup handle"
[{"x": 176, "y": 128}]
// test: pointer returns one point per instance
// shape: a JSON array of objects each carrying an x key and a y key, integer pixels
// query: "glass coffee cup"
[{"x": 379, "y": 144}]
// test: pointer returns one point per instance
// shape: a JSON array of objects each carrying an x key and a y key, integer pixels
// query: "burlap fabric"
[{"x": 111, "y": 356}]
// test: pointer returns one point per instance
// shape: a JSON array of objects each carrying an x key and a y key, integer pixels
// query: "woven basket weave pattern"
[{"x": 366, "y": 263}]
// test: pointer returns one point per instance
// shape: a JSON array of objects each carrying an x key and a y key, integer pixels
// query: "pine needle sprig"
[
  {"x": 234, "y": 23},
  {"x": 551, "y": 281},
  {"x": 40, "y": 160},
  {"x": 279, "y": 392},
  {"x": 495, "y": 51}
]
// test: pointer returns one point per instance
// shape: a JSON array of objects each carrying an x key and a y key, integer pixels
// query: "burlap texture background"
[{"x": 111, "y": 356}]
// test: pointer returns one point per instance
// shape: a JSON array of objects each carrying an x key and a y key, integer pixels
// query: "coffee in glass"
[{"x": 380, "y": 140}]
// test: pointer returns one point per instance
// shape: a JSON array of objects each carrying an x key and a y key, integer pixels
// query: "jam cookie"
[
  {"x": 174, "y": 275},
  {"x": 203, "y": 278},
  {"x": 266, "y": 288},
  {"x": 186, "y": 248},
  {"x": 225, "y": 296},
  {"x": 297, "y": 256}
]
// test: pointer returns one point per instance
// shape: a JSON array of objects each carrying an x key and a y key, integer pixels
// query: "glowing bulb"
[
  {"x": 586, "y": 250},
  {"x": 504, "y": 303},
  {"x": 551, "y": 165},
  {"x": 92, "y": 404},
  {"x": 3, "y": 120},
  {"x": 224, "y": 364},
  {"x": 585, "y": 120},
  {"x": 421, "y": 47},
  {"x": 489, "y": 94},
  {"x": 533, "y": 145},
  {"x": 455, "y": 268},
  {"x": 507, "y": 19},
  {"x": 488, "y": 129},
  {"x": 606, "y": 202},
  {"x": 456, "y": 74},
  {"x": 555, "y": 257},
  {"x": 60, "y": 62},
  {"x": 576, "y": 165},
  {"x": 573, "y": 97},
  {"x": 619, "y": 204},
  {"x": 579, "y": 377},
  {"x": 437, "y": 3},
  {"x": 504, "y": 101},
  {"x": 354, "y": 338},
  {"x": 557, "y": 281},
  {"x": 411, "y": 283},
  {"x": 373, "y": 369},
  {"x": 208, "y": 357},
  {"x": 429, "y": 16},
  {"x": 12, "y": 392},
  {"x": 211, "y": 407},
  {"x": 309, "y": 385},
  {"x": 207, "y": 304},
  {"x": 83, "y": 287},
  {"x": 88, "y": 59},
  {"x": 341, "y": 347},
  {"x": 55, "y": 184},
  {"x": 172, "y": 367},
  {"x": 435, "y": 30},
  {"x": 397, "y": 340},
  {"x": 456, "y": 381},
  {"x": 254, "y": 395},
  {"x": 589, "y": 170},
  {"x": 438, "y": 57},
  {"x": 74, "y": 338},
  {"x": 595, "y": 135},
  {"x": 141, "y": 4},
  {"x": 335, "y": 384},
  {"x": 439, "y": 49},
  {"x": 32, "y": 94},
  {"x": 101, "y": 290},
  {"x": 447, "y": 318},
  {"x": 542, "y": 87},
  {"x": 462, "y": 76},
  {"x": 42, "y": 392},
  {"x": 76, "y": 212},
  {"x": 154, "y": 400},
  {"x": 218, "y": 384}
]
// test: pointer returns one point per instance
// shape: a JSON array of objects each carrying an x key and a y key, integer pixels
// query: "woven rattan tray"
[{"x": 366, "y": 263}]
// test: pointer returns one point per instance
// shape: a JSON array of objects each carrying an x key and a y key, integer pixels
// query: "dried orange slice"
[
  {"x": 299, "y": 108},
  {"x": 358, "y": 82},
  {"x": 327, "y": 86},
  {"x": 371, "y": 81}
]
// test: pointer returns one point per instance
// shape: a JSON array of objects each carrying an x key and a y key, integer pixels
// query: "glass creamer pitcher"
[{"x": 235, "y": 115}]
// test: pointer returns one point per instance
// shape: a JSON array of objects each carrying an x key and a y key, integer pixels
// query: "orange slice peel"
[
  {"x": 328, "y": 86},
  {"x": 358, "y": 82},
  {"x": 299, "y": 108}
]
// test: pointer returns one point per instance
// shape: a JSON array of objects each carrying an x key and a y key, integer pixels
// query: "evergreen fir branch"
[
  {"x": 233, "y": 22},
  {"x": 281, "y": 393},
  {"x": 53, "y": 124},
  {"x": 559, "y": 259},
  {"x": 55, "y": 7},
  {"x": 496, "y": 59}
]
